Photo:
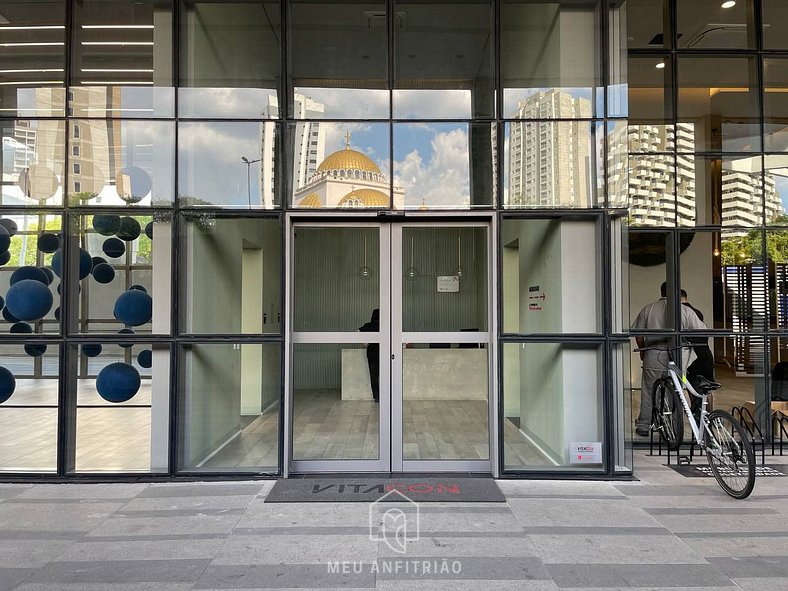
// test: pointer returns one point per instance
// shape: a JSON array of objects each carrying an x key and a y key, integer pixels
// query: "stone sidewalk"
[{"x": 663, "y": 532}]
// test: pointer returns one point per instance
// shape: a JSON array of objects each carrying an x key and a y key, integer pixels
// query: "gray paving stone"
[
  {"x": 723, "y": 523},
  {"x": 202, "y": 489},
  {"x": 488, "y": 568},
  {"x": 261, "y": 514},
  {"x": 166, "y": 513},
  {"x": 604, "y": 549},
  {"x": 116, "y": 491},
  {"x": 8, "y": 491},
  {"x": 171, "y": 503},
  {"x": 295, "y": 549},
  {"x": 104, "y": 587},
  {"x": 752, "y": 566},
  {"x": 55, "y": 517},
  {"x": 638, "y": 575},
  {"x": 738, "y": 545},
  {"x": 579, "y": 512},
  {"x": 759, "y": 584},
  {"x": 10, "y": 577},
  {"x": 564, "y": 488},
  {"x": 447, "y": 546},
  {"x": 94, "y": 551},
  {"x": 569, "y": 530},
  {"x": 268, "y": 576},
  {"x": 30, "y": 553},
  {"x": 120, "y": 571},
  {"x": 477, "y": 585},
  {"x": 727, "y": 510},
  {"x": 146, "y": 526}
]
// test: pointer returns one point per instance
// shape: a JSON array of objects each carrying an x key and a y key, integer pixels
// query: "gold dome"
[
  {"x": 348, "y": 159},
  {"x": 311, "y": 200},
  {"x": 367, "y": 197}
]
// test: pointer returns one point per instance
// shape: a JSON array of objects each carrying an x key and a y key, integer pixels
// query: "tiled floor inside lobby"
[{"x": 664, "y": 531}]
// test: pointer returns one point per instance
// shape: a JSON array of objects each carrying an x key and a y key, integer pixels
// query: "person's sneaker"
[{"x": 642, "y": 431}]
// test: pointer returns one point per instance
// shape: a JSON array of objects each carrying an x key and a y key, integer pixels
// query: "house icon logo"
[{"x": 396, "y": 525}]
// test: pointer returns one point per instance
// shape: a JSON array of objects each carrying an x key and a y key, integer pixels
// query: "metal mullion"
[{"x": 446, "y": 337}]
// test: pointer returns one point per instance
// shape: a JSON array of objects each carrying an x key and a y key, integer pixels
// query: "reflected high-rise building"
[{"x": 549, "y": 162}]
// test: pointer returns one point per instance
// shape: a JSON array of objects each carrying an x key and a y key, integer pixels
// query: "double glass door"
[{"x": 390, "y": 347}]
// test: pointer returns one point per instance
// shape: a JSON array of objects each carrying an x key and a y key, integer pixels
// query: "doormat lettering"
[
  {"x": 704, "y": 471},
  {"x": 369, "y": 490}
]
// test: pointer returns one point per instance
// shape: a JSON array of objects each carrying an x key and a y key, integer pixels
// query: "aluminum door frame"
[
  {"x": 383, "y": 462},
  {"x": 399, "y": 337}
]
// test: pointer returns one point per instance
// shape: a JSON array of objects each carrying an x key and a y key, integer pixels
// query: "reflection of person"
[
  {"x": 704, "y": 364},
  {"x": 373, "y": 353},
  {"x": 654, "y": 316}
]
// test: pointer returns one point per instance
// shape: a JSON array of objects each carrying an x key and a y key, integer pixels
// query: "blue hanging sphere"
[
  {"x": 129, "y": 229},
  {"x": 113, "y": 248},
  {"x": 138, "y": 288},
  {"x": 49, "y": 273},
  {"x": 48, "y": 242},
  {"x": 4, "y": 258},
  {"x": 29, "y": 300},
  {"x": 57, "y": 312},
  {"x": 8, "y": 316},
  {"x": 103, "y": 273},
  {"x": 35, "y": 350},
  {"x": 2, "y": 302},
  {"x": 91, "y": 350},
  {"x": 126, "y": 331},
  {"x": 145, "y": 358},
  {"x": 7, "y": 384},
  {"x": 149, "y": 230},
  {"x": 10, "y": 226},
  {"x": 98, "y": 260},
  {"x": 106, "y": 224},
  {"x": 28, "y": 273},
  {"x": 133, "y": 307},
  {"x": 21, "y": 328},
  {"x": 85, "y": 263},
  {"x": 118, "y": 382},
  {"x": 5, "y": 240}
]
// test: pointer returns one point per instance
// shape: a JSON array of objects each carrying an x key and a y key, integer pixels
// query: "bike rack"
[
  {"x": 779, "y": 425},
  {"x": 746, "y": 420}
]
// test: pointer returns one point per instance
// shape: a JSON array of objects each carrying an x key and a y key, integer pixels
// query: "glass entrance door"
[{"x": 390, "y": 348}]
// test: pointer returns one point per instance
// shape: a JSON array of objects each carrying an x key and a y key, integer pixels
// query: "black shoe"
[{"x": 642, "y": 431}]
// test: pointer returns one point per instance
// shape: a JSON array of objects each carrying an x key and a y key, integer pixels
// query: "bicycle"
[{"x": 728, "y": 448}]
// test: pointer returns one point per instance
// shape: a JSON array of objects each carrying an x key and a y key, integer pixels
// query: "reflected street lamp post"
[{"x": 248, "y": 179}]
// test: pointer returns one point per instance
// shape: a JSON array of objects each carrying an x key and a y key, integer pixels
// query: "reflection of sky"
[{"x": 370, "y": 138}]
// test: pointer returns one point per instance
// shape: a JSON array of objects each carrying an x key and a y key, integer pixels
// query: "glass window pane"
[
  {"x": 33, "y": 58},
  {"x": 648, "y": 24},
  {"x": 336, "y": 278},
  {"x": 775, "y": 24},
  {"x": 717, "y": 98},
  {"x": 124, "y": 279},
  {"x": 228, "y": 164},
  {"x": 648, "y": 269},
  {"x": 728, "y": 191},
  {"x": 623, "y": 393},
  {"x": 552, "y": 401},
  {"x": 350, "y": 77},
  {"x": 776, "y": 187},
  {"x": 777, "y": 247},
  {"x": 29, "y": 407},
  {"x": 617, "y": 164},
  {"x": 551, "y": 164},
  {"x": 445, "y": 279},
  {"x": 123, "y": 402},
  {"x": 444, "y": 165},
  {"x": 122, "y": 59},
  {"x": 30, "y": 307},
  {"x": 231, "y": 274},
  {"x": 229, "y": 62},
  {"x": 334, "y": 414},
  {"x": 714, "y": 24},
  {"x": 449, "y": 383},
  {"x": 775, "y": 104},
  {"x": 550, "y": 53},
  {"x": 650, "y": 104},
  {"x": 341, "y": 165},
  {"x": 33, "y": 162},
  {"x": 543, "y": 261},
  {"x": 122, "y": 162},
  {"x": 444, "y": 62},
  {"x": 652, "y": 186},
  {"x": 229, "y": 407}
]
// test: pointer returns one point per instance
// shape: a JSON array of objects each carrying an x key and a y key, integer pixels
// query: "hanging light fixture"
[
  {"x": 365, "y": 272},
  {"x": 458, "y": 271},
  {"x": 412, "y": 273}
]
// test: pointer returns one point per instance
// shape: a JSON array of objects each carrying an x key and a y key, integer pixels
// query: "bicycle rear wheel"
[
  {"x": 668, "y": 413},
  {"x": 731, "y": 454}
]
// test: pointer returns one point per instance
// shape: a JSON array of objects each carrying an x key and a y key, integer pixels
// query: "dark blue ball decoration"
[
  {"x": 145, "y": 358},
  {"x": 103, "y": 273},
  {"x": 8, "y": 316},
  {"x": 106, "y": 224},
  {"x": 29, "y": 300},
  {"x": 133, "y": 307},
  {"x": 5, "y": 239},
  {"x": 10, "y": 226},
  {"x": 129, "y": 229},
  {"x": 48, "y": 242},
  {"x": 126, "y": 331},
  {"x": 91, "y": 350},
  {"x": 28, "y": 273},
  {"x": 85, "y": 263},
  {"x": 113, "y": 248},
  {"x": 57, "y": 312},
  {"x": 21, "y": 328},
  {"x": 4, "y": 258},
  {"x": 149, "y": 230},
  {"x": 7, "y": 384},
  {"x": 49, "y": 273},
  {"x": 59, "y": 285},
  {"x": 98, "y": 260},
  {"x": 35, "y": 350},
  {"x": 118, "y": 382},
  {"x": 2, "y": 302},
  {"x": 138, "y": 288}
]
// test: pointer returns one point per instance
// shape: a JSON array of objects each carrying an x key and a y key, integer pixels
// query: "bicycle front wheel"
[
  {"x": 731, "y": 454},
  {"x": 668, "y": 417}
]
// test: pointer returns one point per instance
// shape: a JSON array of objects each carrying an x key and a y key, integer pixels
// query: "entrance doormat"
[
  {"x": 369, "y": 490},
  {"x": 704, "y": 471}
]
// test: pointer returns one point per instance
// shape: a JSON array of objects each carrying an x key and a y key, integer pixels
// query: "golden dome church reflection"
[{"x": 348, "y": 178}]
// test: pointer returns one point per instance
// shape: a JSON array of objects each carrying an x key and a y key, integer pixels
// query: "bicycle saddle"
[{"x": 706, "y": 384}]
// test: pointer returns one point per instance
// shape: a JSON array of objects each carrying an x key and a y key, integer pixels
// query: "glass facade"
[{"x": 235, "y": 236}]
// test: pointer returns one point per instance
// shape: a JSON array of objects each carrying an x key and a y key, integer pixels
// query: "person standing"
[
  {"x": 654, "y": 316},
  {"x": 373, "y": 354}
]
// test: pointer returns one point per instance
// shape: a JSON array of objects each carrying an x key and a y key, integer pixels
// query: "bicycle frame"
[{"x": 680, "y": 385}]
